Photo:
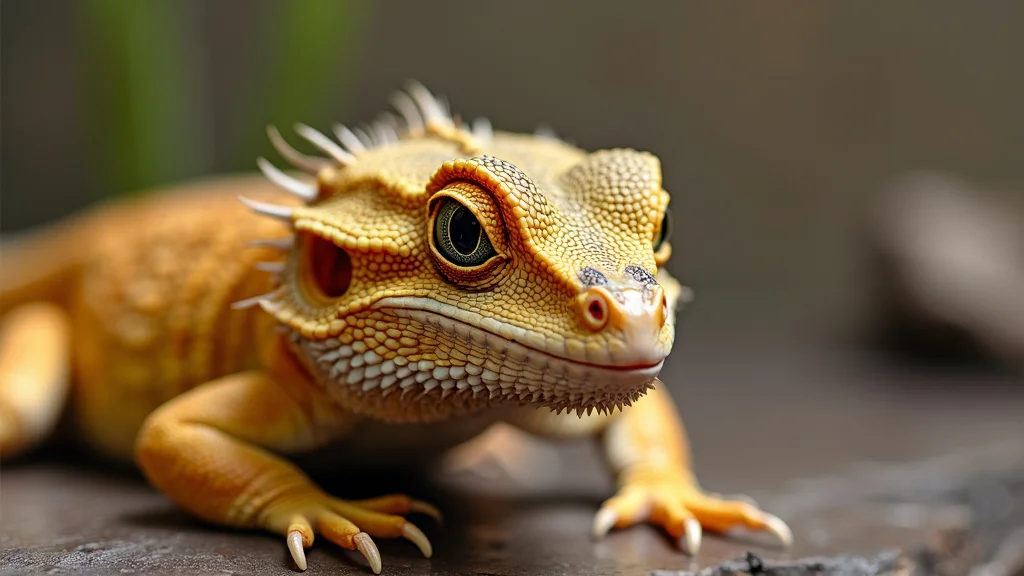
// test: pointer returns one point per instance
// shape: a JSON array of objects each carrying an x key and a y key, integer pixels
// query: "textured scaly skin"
[{"x": 366, "y": 334}]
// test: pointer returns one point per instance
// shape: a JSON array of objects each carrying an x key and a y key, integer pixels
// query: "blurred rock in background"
[{"x": 951, "y": 270}]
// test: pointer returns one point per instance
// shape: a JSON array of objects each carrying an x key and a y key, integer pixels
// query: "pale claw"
[
  {"x": 417, "y": 537},
  {"x": 776, "y": 526},
  {"x": 603, "y": 522},
  {"x": 694, "y": 532},
  {"x": 295, "y": 547},
  {"x": 369, "y": 550},
  {"x": 428, "y": 509}
]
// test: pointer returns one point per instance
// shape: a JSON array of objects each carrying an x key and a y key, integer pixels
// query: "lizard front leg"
[
  {"x": 209, "y": 450},
  {"x": 647, "y": 450}
]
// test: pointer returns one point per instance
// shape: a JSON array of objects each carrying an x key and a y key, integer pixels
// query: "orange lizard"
[{"x": 418, "y": 283}]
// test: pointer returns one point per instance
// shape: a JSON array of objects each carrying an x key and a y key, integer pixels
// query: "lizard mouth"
[
  {"x": 479, "y": 361},
  {"x": 511, "y": 364},
  {"x": 508, "y": 340}
]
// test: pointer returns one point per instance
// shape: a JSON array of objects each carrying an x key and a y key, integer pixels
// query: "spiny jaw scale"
[{"x": 496, "y": 366}]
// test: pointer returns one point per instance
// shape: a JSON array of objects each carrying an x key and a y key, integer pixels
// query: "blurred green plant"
[
  {"x": 314, "y": 40},
  {"x": 151, "y": 103}
]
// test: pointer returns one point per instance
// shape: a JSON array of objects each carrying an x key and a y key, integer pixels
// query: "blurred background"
[
  {"x": 777, "y": 123},
  {"x": 847, "y": 177}
]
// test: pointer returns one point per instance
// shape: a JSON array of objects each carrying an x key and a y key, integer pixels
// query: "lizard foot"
[
  {"x": 351, "y": 524},
  {"x": 678, "y": 505}
]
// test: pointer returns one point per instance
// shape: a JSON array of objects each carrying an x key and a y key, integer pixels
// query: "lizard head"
[{"x": 436, "y": 268}]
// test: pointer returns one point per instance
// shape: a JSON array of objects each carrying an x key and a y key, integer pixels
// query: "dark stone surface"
[{"x": 861, "y": 459}]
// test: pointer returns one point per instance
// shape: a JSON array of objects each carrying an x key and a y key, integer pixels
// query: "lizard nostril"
[{"x": 594, "y": 309}]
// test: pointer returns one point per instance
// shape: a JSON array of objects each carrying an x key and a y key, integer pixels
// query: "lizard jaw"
[{"x": 497, "y": 369}]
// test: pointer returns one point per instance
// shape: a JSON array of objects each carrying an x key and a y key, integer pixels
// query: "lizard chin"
[{"x": 481, "y": 366}]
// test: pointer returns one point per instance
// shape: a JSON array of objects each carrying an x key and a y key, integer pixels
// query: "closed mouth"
[{"x": 498, "y": 336}]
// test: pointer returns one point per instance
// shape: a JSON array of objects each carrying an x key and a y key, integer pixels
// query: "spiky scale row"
[
  {"x": 325, "y": 144},
  {"x": 263, "y": 300},
  {"x": 283, "y": 213},
  {"x": 367, "y": 371},
  {"x": 305, "y": 192},
  {"x": 388, "y": 128},
  {"x": 306, "y": 163},
  {"x": 407, "y": 107},
  {"x": 349, "y": 139},
  {"x": 421, "y": 112},
  {"x": 435, "y": 114}
]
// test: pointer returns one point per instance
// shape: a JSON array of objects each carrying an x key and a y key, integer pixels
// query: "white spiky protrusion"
[
  {"x": 304, "y": 162},
  {"x": 266, "y": 209},
  {"x": 433, "y": 111},
  {"x": 418, "y": 111},
  {"x": 301, "y": 190},
  {"x": 269, "y": 306},
  {"x": 482, "y": 129},
  {"x": 363, "y": 136},
  {"x": 387, "y": 128},
  {"x": 407, "y": 107},
  {"x": 328, "y": 146},
  {"x": 348, "y": 139},
  {"x": 250, "y": 302},
  {"x": 446, "y": 107}
]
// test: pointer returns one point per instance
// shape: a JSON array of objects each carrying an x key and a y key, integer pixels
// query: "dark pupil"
[{"x": 464, "y": 230}]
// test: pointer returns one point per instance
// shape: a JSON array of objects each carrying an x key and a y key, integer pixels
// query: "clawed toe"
[
  {"x": 779, "y": 529},
  {"x": 604, "y": 520},
  {"x": 685, "y": 512},
  {"x": 352, "y": 525},
  {"x": 417, "y": 537},
  {"x": 296, "y": 549},
  {"x": 428, "y": 509},
  {"x": 369, "y": 551},
  {"x": 693, "y": 536}
]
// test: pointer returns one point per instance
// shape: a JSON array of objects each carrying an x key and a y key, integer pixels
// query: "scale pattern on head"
[{"x": 437, "y": 269}]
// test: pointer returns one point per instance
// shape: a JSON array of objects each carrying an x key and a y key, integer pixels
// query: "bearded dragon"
[{"x": 420, "y": 281}]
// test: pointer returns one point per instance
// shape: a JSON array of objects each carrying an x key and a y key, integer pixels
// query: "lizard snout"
[{"x": 635, "y": 315}]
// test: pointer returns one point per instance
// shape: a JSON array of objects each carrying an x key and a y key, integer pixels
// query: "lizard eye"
[
  {"x": 459, "y": 237},
  {"x": 664, "y": 231}
]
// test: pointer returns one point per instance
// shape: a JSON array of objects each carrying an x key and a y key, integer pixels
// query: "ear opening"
[{"x": 325, "y": 269}]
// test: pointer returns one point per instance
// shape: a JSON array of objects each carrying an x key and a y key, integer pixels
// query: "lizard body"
[{"x": 421, "y": 283}]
